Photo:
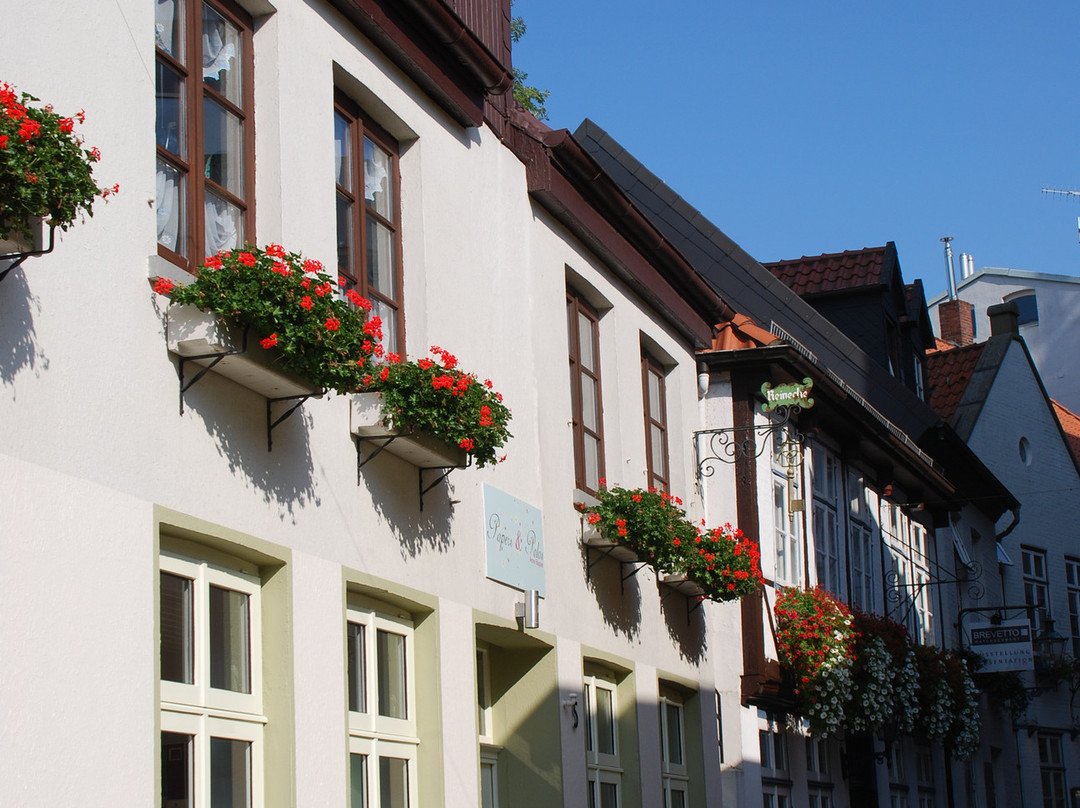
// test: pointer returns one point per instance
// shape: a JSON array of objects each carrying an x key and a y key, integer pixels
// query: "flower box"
[
  {"x": 681, "y": 584},
  {"x": 18, "y": 244},
  {"x": 592, "y": 539},
  {"x": 202, "y": 337},
  {"x": 419, "y": 448}
]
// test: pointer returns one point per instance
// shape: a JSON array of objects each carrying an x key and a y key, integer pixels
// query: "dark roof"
[
  {"x": 751, "y": 289},
  {"x": 949, "y": 372},
  {"x": 832, "y": 272}
]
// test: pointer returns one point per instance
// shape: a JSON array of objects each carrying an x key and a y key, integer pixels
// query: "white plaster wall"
[{"x": 93, "y": 436}]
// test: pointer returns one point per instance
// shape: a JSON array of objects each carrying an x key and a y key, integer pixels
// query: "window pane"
[
  {"x": 177, "y": 775},
  {"x": 230, "y": 773},
  {"x": 393, "y": 783},
  {"x": 169, "y": 27},
  {"x": 170, "y": 207},
  {"x": 656, "y": 406},
  {"x": 177, "y": 655},
  {"x": 588, "y": 722},
  {"x": 342, "y": 152},
  {"x": 389, "y": 317},
  {"x": 674, "y": 734},
  {"x": 224, "y": 224},
  {"x": 677, "y": 798},
  {"x": 590, "y": 404},
  {"x": 358, "y": 781},
  {"x": 487, "y": 785},
  {"x": 659, "y": 462},
  {"x": 170, "y": 110},
  {"x": 357, "y": 668},
  {"x": 344, "y": 235},
  {"x": 605, "y": 722},
  {"x": 223, "y": 147},
  {"x": 390, "y": 656},
  {"x": 592, "y": 462},
  {"x": 230, "y": 647},
  {"x": 585, "y": 333},
  {"x": 609, "y": 795},
  {"x": 380, "y": 258},
  {"x": 378, "y": 188},
  {"x": 221, "y": 55}
]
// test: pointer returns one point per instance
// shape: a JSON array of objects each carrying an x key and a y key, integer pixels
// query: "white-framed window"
[
  {"x": 1052, "y": 770},
  {"x": 787, "y": 506},
  {"x": 819, "y": 797},
  {"x": 211, "y": 680},
  {"x": 676, "y": 781},
  {"x": 382, "y": 706},
  {"x": 825, "y": 486},
  {"x": 817, "y": 757},
  {"x": 898, "y": 799},
  {"x": 1033, "y": 563},
  {"x": 602, "y": 753},
  {"x": 862, "y": 552},
  {"x": 775, "y": 795},
  {"x": 924, "y": 765},
  {"x": 1072, "y": 583},
  {"x": 772, "y": 744},
  {"x": 489, "y": 752}
]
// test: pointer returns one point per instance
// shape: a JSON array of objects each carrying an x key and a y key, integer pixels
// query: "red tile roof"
[
  {"x": 949, "y": 371},
  {"x": 1070, "y": 422},
  {"x": 827, "y": 273},
  {"x": 741, "y": 332}
]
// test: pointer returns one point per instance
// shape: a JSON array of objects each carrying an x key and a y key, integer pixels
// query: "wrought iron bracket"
[
  {"x": 380, "y": 446},
  {"x": 693, "y": 602},
  {"x": 441, "y": 474},
  {"x": 731, "y": 444},
  {"x": 17, "y": 258},
  {"x": 893, "y": 587},
  {"x": 271, "y": 423}
]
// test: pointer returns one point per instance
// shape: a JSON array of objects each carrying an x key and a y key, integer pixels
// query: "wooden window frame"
[
  {"x": 360, "y": 126},
  {"x": 575, "y": 306},
  {"x": 194, "y": 93},
  {"x": 650, "y": 367}
]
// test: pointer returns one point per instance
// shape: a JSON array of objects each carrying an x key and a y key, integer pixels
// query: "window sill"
[
  {"x": 418, "y": 448},
  {"x": 231, "y": 351},
  {"x": 678, "y": 582},
  {"x": 591, "y": 539}
]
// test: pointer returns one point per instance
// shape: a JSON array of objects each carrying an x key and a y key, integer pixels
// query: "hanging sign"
[
  {"x": 787, "y": 395},
  {"x": 515, "y": 540},
  {"x": 1005, "y": 647}
]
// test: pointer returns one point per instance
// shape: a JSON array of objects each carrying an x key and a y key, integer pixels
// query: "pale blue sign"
[{"x": 515, "y": 541}]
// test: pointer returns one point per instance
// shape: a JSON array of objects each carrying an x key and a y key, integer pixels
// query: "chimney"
[
  {"x": 1004, "y": 319},
  {"x": 957, "y": 321}
]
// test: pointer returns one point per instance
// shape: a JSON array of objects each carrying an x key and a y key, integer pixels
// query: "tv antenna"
[{"x": 1066, "y": 193}]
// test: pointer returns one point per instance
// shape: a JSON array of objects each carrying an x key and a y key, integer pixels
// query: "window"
[
  {"x": 772, "y": 742},
  {"x": 656, "y": 447},
  {"x": 584, "y": 334},
  {"x": 863, "y": 593},
  {"x": 825, "y": 485},
  {"x": 382, "y": 721},
  {"x": 205, "y": 129},
  {"x": 787, "y": 502},
  {"x": 673, "y": 749},
  {"x": 602, "y": 753},
  {"x": 1035, "y": 590},
  {"x": 368, "y": 235},
  {"x": 1072, "y": 581},
  {"x": 489, "y": 753},
  {"x": 818, "y": 797},
  {"x": 211, "y": 682},
  {"x": 1027, "y": 305},
  {"x": 1052, "y": 770},
  {"x": 817, "y": 757}
]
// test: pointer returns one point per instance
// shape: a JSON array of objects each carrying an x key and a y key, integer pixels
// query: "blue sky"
[{"x": 802, "y": 128}]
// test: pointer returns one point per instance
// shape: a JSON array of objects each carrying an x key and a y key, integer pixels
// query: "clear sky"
[{"x": 802, "y": 128}]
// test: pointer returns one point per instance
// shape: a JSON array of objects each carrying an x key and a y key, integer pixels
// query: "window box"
[
  {"x": 679, "y": 582},
  {"x": 231, "y": 351},
  {"x": 18, "y": 244},
  {"x": 592, "y": 539},
  {"x": 419, "y": 448}
]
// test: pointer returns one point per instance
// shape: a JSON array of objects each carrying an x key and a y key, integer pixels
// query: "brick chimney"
[
  {"x": 957, "y": 321},
  {"x": 1004, "y": 319}
]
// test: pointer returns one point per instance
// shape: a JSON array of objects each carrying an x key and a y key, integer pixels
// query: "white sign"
[
  {"x": 1005, "y": 647},
  {"x": 515, "y": 540}
]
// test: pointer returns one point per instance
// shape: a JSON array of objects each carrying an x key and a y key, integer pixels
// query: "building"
[{"x": 1048, "y": 306}]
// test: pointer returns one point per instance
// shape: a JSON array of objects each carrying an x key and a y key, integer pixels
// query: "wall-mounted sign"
[
  {"x": 515, "y": 541},
  {"x": 1005, "y": 647},
  {"x": 787, "y": 395}
]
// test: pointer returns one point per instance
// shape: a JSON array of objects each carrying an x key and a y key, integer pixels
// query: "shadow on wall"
[
  {"x": 236, "y": 419},
  {"x": 685, "y": 619},
  {"x": 617, "y": 591},
  {"x": 394, "y": 485},
  {"x": 18, "y": 348}
]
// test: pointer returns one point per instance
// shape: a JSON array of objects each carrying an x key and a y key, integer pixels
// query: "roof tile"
[
  {"x": 830, "y": 272},
  {"x": 949, "y": 371},
  {"x": 1070, "y": 422}
]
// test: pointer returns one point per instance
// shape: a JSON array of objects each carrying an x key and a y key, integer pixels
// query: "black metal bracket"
[
  {"x": 381, "y": 445},
  {"x": 271, "y": 424},
  {"x": 17, "y": 258},
  {"x": 215, "y": 357},
  {"x": 730, "y": 444},
  {"x": 696, "y": 600},
  {"x": 976, "y": 589},
  {"x": 600, "y": 554},
  {"x": 443, "y": 473}
]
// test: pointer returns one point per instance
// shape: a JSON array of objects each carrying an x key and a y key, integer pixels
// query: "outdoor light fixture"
[
  {"x": 1048, "y": 645},
  {"x": 528, "y": 611},
  {"x": 570, "y": 703}
]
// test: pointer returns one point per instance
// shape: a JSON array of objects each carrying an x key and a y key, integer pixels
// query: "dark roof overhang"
[{"x": 434, "y": 48}]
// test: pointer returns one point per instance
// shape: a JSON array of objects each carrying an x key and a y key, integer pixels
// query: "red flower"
[
  {"x": 384, "y": 374},
  {"x": 276, "y": 250},
  {"x": 246, "y": 258},
  {"x": 29, "y": 128},
  {"x": 163, "y": 286},
  {"x": 425, "y": 364},
  {"x": 312, "y": 266},
  {"x": 213, "y": 262},
  {"x": 332, "y": 323},
  {"x": 305, "y": 302},
  {"x": 3, "y": 141},
  {"x": 67, "y": 125},
  {"x": 270, "y": 341},
  {"x": 466, "y": 444}
]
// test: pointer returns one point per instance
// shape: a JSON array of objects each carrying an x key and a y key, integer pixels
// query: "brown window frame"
[
  {"x": 576, "y": 306},
  {"x": 194, "y": 94},
  {"x": 360, "y": 126},
  {"x": 650, "y": 366}
]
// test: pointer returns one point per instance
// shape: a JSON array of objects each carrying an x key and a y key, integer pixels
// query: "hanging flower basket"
[{"x": 420, "y": 448}]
